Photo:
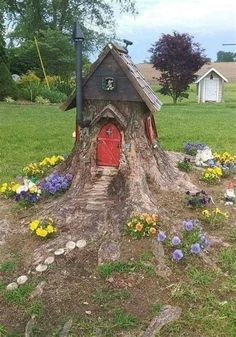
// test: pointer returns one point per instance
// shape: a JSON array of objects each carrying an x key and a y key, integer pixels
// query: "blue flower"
[
  {"x": 177, "y": 255},
  {"x": 188, "y": 225},
  {"x": 176, "y": 240},
  {"x": 195, "y": 248},
  {"x": 204, "y": 242},
  {"x": 161, "y": 236}
]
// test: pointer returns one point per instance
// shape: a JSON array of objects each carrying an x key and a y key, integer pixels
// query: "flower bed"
[
  {"x": 142, "y": 225},
  {"x": 55, "y": 184},
  {"x": 191, "y": 148},
  {"x": 42, "y": 228},
  {"x": 197, "y": 200},
  {"x": 212, "y": 175},
  {"x": 38, "y": 170},
  {"x": 215, "y": 216},
  {"x": 191, "y": 241}
]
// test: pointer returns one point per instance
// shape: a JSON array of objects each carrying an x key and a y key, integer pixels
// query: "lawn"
[
  {"x": 213, "y": 124},
  {"x": 30, "y": 132}
]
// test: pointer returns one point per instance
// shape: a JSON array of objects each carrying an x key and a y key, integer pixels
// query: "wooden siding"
[{"x": 124, "y": 90}]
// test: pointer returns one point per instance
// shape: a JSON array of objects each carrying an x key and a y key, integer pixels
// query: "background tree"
[
  {"x": 30, "y": 17},
  {"x": 178, "y": 58},
  {"x": 226, "y": 56},
  {"x": 57, "y": 52}
]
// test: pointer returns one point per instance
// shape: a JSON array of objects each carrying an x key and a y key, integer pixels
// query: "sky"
[{"x": 211, "y": 22}]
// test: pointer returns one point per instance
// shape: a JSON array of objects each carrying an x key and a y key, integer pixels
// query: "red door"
[{"x": 108, "y": 146}]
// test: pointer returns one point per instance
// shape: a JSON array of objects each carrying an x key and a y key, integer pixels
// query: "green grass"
[
  {"x": 106, "y": 270},
  {"x": 30, "y": 132},
  {"x": 18, "y": 296},
  {"x": 200, "y": 277},
  {"x": 106, "y": 297},
  {"x": 7, "y": 266},
  {"x": 210, "y": 123}
]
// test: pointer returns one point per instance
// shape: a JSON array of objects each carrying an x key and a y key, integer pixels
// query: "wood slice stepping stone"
[
  {"x": 49, "y": 260},
  {"x": 81, "y": 244},
  {"x": 12, "y": 286},
  {"x": 70, "y": 245},
  {"x": 41, "y": 268},
  {"x": 59, "y": 251},
  {"x": 22, "y": 279}
]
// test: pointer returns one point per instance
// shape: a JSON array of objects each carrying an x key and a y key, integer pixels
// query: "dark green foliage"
[
  {"x": 178, "y": 58},
  {"x": 7, "y": 85},
  {"x": 226, "y": 56},
  {"x": 57, "y": 52},
  {"x": 32, "y": 17}
]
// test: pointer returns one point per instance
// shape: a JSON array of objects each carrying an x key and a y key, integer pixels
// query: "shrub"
[
  {"x": 41, "y": 100},
  {"x": 7, "y": 85},
  {"x": 31, "y": 92}
]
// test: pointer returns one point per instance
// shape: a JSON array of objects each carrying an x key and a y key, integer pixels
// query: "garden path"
[{"x": 95, "y": 198}]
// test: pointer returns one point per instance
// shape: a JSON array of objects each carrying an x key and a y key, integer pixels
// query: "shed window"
[{"x": 211, "y": 77}]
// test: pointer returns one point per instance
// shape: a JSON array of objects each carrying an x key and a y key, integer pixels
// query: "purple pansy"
[
  {"x": 177, "y": 255},
  {"x": 161, "y": 236},
  {"x": 175, "y": 240},
  {"x": 188, "y": 225},
  {"x": 204, "y": 242},
  {"x": 195, "y": 248},
  {"x": 56, "y": 183}
]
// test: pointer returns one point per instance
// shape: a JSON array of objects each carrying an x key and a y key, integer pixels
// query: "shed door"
[
  {"x": 211, "y": 87},
  {"x": 108, "y": 146}
]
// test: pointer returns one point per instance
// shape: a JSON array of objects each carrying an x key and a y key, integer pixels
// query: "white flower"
[{"x": 22, "y": 188}]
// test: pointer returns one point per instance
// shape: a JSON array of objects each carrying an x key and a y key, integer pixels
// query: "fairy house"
[
  {"x": 115, "y": 100},
  {"x": 117, "y": 159}
]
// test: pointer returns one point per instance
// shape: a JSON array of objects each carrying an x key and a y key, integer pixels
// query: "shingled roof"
[{"x": 121, "y": 56}]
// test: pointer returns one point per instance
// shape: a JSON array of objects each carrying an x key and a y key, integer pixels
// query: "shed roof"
[
  {"x": 134, "y": 75},
  {"x": 208, "y": 72}
]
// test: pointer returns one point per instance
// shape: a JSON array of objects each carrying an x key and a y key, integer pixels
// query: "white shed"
[{"x": 210, "y": 86}]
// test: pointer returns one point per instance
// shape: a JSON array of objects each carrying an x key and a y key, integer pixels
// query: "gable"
[
  {"x": 124, "y": 91},
  {"x": 211, "y": 71}
]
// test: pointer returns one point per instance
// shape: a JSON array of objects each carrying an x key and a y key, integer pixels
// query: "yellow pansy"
[
  {"x": 149, "y": 220},
  {"x": 50, "y": 229},
  {"x": 15, "y": 186},
  {"x": 41, "y": 232},
  {"x": 34, "y": 224},
  {"x": 33, "y": 189}
]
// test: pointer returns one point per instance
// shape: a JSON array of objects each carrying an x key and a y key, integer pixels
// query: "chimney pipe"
[{"x": 78, "y": 37}]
